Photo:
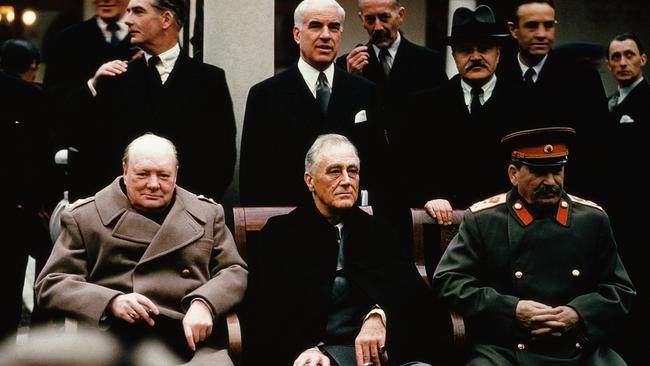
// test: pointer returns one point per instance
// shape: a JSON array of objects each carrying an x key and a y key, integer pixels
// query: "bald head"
[{"x": 151, "y": 144}]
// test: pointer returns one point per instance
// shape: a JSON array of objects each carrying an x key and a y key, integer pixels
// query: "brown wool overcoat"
[{"x": 98, "y": 256}]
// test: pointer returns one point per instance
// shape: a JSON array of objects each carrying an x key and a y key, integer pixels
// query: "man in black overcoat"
[
  {"x": 398, "y": 66},
  {"x": 162, "y": 91},
  {"x": 27, "y": 191},
  {"x": 556, "y": 89},
  {"x": 629, "y": 119},
  {"x": 333, "y": 281},
  {"x": 285, "y": 113},
  {"x": 461, "y": 121}
]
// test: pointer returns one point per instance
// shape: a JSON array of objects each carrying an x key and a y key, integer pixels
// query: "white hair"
[
  {"x": 299, "y": 13},
  {"x": 312, "y": 158}
]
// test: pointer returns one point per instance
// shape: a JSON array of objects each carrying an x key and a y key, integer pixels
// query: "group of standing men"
[{"x": 391, "y": 99}]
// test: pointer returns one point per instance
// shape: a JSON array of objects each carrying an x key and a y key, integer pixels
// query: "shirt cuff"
[
  {"x": 379, "y": 311},
  {"x": 93, "y": 91},
  {"x": 205, "y": 303}
]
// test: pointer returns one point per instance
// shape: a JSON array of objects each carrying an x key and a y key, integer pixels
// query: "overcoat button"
[
  {"x": 518, "y": 206},
  {"x": 578, "y": 345},
  {"x": 521, "y": 346},
  {"x": 185, "y": 273},
  {"x": 519, "y": 275}
]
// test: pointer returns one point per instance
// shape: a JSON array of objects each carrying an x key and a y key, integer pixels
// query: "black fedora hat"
[{"x": 468, "y": 25}]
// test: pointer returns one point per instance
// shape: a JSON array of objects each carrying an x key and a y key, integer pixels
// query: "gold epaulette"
[
  {"x": 81, "y": 201},
  {"x": 499, "y": 199},
  {"x": 585, "y": 202},
  {"x": 206, "y": 199}
]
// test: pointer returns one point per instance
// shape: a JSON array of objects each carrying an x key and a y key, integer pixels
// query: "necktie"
[
  {"x": 154, "y": 75},
  {"x": 528, "y": 77},
  {"x": 112, "y": 28},
  {"x": 612, "y": 103},
  {"x": 475, "y": 105},
  {"x": 323, "y": 92},
  {"x": 385, "y": 60}
]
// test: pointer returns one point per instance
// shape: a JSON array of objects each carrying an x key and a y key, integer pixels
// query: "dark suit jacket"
[
  {"x": 629, "y": 140},
  {"x": 636, "y": 106},
  {"x": 415, "y": 68},
  {"x": 567, "y": 93},
  {"x": 193, "y": 109},
  {"x": 454, "y": 155},
  {"x": 72, "y": 57},
  {"x": 282, "y": 121},
  {"x": 294, "y": 276},
  {"x": 26, "y": 189},
  {"x": 77, "y": 52}
]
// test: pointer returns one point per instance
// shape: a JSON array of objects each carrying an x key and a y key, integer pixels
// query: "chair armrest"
[
  {"x": 458, "y": 329},
  {"x": 234, "y": 338}
]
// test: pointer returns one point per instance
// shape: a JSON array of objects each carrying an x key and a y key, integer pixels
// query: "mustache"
[
  {"x": 546, "y": 190},
  {"x": 479, "y": 63},
  {"x": 380, "y": 35}
]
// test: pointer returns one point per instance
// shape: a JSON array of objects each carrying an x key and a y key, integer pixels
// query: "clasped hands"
[
  {"x": 368, "y": 346},
  {"x": 542, "y": 319},
  {"x": 133, "y": 307}
]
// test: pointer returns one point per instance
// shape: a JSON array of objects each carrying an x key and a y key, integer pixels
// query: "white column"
[
  {"x": 238, "y": 37},
  {"x": 453, "y": 5}
]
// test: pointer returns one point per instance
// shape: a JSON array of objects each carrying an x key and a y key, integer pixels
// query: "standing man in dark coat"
[
  {"x": 145, "y": 258},
  {"x": 556, "y": 89},
  {"x": 333, "y": 282},
  {"x": 77, "y": 51},
  {"x": 535, "y": 272},
  {"x": 630, "y": 116},
  {"x": 398, "y": 66},
  {"x": 285, "y": 113},
  {"x": 163, "y": 91},
  {"x": 626, "y": 58},
  {"x": 463, "y": 120},
  {"x": 26, "y": 197},
  {"x": 72, "y": 58}
]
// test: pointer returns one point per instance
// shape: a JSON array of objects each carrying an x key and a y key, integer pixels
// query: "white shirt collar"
[
  {"x": 392, "y": 50},
  {"x": 122, "y": 32},
  {"x": 167, "y": 61},
  {"x": 310, "y": 75},
  {"x": 623, "y": 92},
  {"x": 537, "y": 68},
  {"x": 488, "y": 89}
]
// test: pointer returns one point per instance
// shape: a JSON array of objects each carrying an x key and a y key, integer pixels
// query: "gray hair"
[
  {"x": 151, "y": 139},
  {"x": 299, "y": 13},
  {"x": 313, "y": 155}
]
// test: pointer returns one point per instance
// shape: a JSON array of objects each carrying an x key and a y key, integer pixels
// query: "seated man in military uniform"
[{"x": 535, "y": 271}]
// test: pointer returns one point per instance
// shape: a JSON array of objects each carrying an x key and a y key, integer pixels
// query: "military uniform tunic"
[{"x": 506, "y": 252}]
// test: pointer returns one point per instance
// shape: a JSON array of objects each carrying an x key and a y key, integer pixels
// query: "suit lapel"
[
  {"x": 373, "y": 70},
  {"x": 301, "y": 104}
]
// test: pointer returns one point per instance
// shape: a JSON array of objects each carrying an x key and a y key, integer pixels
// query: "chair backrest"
[
  {"x": 430, "y": 239},
  {"x": 248, "y": 220}
]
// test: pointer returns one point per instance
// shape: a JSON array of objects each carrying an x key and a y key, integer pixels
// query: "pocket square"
[
  {"x": 626, "y": 119},
  {"x": 360, "y": 116}
]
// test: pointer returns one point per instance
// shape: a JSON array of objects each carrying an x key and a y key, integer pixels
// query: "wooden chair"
[{"x": 430, "y": 240}]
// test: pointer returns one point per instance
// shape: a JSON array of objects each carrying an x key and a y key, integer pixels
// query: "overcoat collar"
[{"x": 183, "y": 224}]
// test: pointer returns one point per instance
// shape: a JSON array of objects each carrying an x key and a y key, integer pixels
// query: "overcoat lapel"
[{"x": 178, "y": 230}]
